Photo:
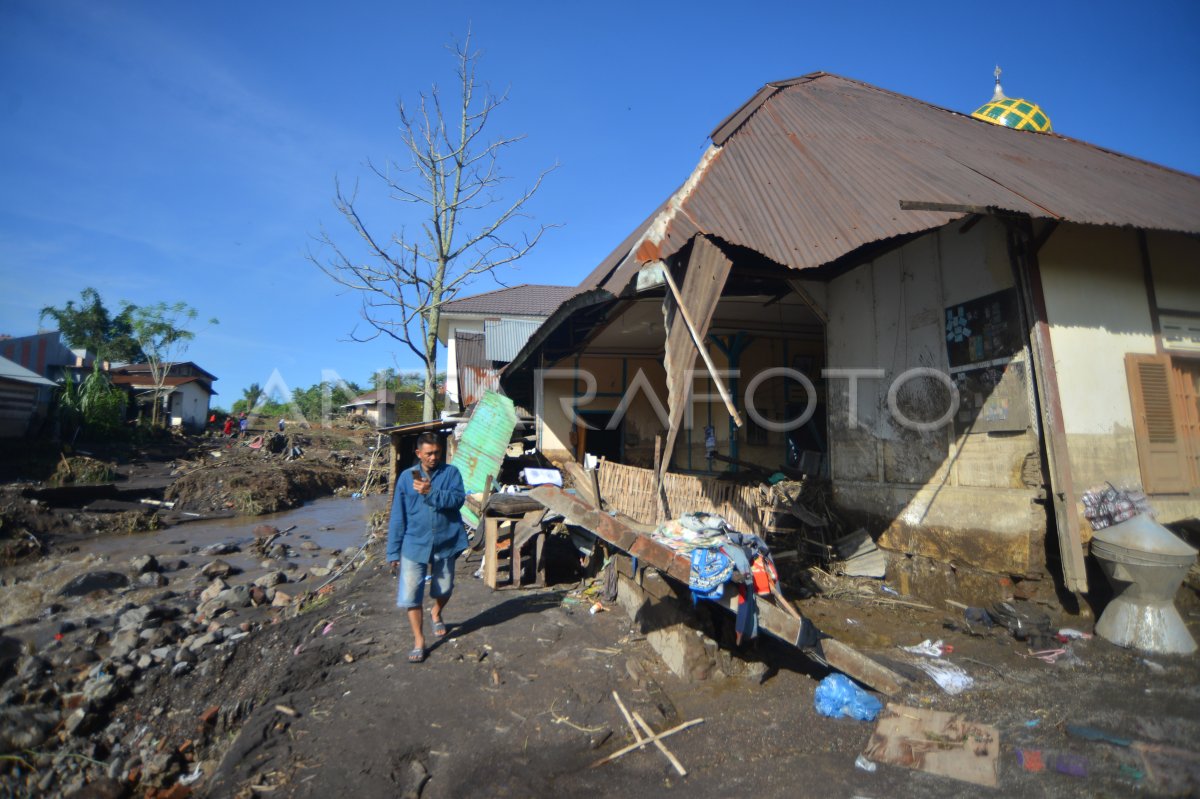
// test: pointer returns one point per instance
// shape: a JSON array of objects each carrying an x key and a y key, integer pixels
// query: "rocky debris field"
[{"x": 92, "y": 685}]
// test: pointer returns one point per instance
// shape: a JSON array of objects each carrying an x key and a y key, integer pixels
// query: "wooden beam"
[
  {"x": 703, "y": 350},
  {"x": 771, "y": 619}
]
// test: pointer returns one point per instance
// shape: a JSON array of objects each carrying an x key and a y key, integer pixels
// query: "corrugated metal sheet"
[
  {"x": 527, "y": 299},
  {"x": 18, "y": 402},
  {"x": 503, "y": 339},
  {"x": 475, "y": 372},
  {"x": 812, "y": 169},
  {"x": 481, "y": 449}
]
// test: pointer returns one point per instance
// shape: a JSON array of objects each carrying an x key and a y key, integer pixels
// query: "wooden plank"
[
  {"x": 583, "y": 483},
  {"x": 491, "y": 534},
  {"x": 771, "y": 619}
]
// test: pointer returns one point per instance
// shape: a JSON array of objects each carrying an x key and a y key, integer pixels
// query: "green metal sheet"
[{"x": 481, "y": 448}]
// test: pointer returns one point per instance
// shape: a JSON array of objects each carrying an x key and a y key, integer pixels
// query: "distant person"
[
  {"x": 228, "y": 429},
  {"x": 243, "y": 425},
  {"x": 281, "y": 425},
  {"x": 425, "y": 538}
]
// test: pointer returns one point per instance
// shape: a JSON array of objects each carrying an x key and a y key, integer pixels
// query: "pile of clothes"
[{"x": 720, "y": 555}]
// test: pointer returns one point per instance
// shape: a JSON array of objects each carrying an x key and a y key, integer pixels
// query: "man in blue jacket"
[{"x": 426, "y": 536}]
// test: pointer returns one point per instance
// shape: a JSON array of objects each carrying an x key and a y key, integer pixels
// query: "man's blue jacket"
[{"x": 427, "y": 527}]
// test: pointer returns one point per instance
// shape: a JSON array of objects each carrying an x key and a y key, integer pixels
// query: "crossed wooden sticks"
[{"x": 652, "y": 737}]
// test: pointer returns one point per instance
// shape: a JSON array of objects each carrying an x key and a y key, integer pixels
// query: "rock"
[
  {"x": 309, "y": 545},
  {"x": 202, "y": 641},
  {"x": 10, "y": 654},
  {"x": 145, "y": 661},
  {"x": 333, "y": 563},
  {"x": 160, "y": 653},
  {"x": 124, "y": 642},
  {"x": 236, "y": 597},
  {"x": 127, "y": 672},
  {"x": 80, "y": 658},
  {"x": 78, "y": 722},
  {"x": 154, "y": 637},
  {"x": 217, "y": 586},
  {"x": 218, "y": 568},
  {"x": 135, "y": 618},
  {"x": 152, "y": 580},
  {"x": 224, "y": 548},
  {"x": 278, "y": 552},
  {"x": 144, "y": 563},
  {"x": 33, "y": 670},
  {"x": 281, "y": 599},
  {"x": 185, "y": 654},
  {"x": 67, "y": 627},
  {"x": 271, "y": 579},
  {"x": 25, "y": 727},
  {"x": 160, "y": 769},
  {"x": 265, "y": 531},
  {"x": 181, "y": 668},
  {"x": 99, "y": 691},
  {"x": 258, "y": 595},
  {"x": 319, "y": 571},
  {"x": 107, "y": 787},
  {"x": 85, "y": 584}
]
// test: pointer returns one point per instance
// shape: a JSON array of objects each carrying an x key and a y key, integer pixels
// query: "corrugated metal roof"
[
  {"x": 813, "y": 168},
  {"x": 505, "y": 338},
  {"x": 11, "y": 370},
  {"x": 528, "y": 299}
]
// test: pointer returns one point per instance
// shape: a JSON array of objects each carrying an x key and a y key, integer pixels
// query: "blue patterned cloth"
[{"x": 711, "y": 569}]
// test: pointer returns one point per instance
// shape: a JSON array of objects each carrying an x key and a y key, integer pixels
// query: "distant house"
[
  {"x": 484, "y": 332},
  {"x": 24, "y": 397},
  {"x": 386, "y": 408},
  {"x": 187, "y": 392}
]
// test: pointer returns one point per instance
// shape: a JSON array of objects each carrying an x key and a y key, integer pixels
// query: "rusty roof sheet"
[{"x": 813, "y": 168}]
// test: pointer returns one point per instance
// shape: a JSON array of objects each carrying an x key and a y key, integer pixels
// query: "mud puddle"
[{"x": 28, "y": 589}]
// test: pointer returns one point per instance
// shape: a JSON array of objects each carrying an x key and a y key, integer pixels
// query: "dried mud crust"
[{"x": 255, "y": 487}]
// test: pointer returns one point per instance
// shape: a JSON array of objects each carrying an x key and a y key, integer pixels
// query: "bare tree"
[{"x": 453, "y": 176}]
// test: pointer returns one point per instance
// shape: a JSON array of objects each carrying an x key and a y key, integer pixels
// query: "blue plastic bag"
[{"x": 838, "y": 696}]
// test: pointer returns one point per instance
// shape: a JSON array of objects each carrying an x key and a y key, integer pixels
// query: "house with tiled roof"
[
  {"x": 187, "y": 391},
  {"x": 489, "y": 329}
]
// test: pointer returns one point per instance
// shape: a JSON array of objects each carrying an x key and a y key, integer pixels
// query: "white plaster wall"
[
  {"x": 192, "y": 408},
  {"x": 453, "y": 326},
  {"x": 1098, "y": 311}
]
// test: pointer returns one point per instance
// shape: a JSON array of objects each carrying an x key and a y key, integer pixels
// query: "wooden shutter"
[{"x": 1161, "y": 449}]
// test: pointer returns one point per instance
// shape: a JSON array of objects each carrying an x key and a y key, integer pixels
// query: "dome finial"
[{"x": 998, "y": 94}]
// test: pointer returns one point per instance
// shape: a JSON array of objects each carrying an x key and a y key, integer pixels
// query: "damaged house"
[{"x": 962, "y": 326}]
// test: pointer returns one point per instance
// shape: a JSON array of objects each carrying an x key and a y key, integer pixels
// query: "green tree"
[
  {"x": 91, "y": 326},
  {"x": 95, "y": 404},
  {"x": 161, "y": 330},
  {"x": 251, "y": 396},
  {"x": 466, "y": 229}
]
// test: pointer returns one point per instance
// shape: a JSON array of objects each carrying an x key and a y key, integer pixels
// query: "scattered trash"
[
  {"x": 889, "y": 590},
  {"x": 1157, "y": 668},
  {"x": 1070, "y": 764},
  {"x": 1022, "y": 619},
  {"x": 950, "y": 678},
  {"x": 287, "y": 711},
  {"x": 837, "y": 696},
  {"x": 936, "y": 742},
  {"x": 1071, "y": 634},
  {"x": 1033, "y": 722},
  {"x": 866, "y": 765},
  {"x": 933, "y": 649},
  {"x": 195, "y": 776},
  {"x": 1050, "y": 656},
  {"x": 597, "y": 608},
  {"x": 1031, "y": 759},
  {"x": 1094, "y": 734}
]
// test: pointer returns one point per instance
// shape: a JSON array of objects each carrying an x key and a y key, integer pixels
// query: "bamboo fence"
[{"x": 630, "y": 490}]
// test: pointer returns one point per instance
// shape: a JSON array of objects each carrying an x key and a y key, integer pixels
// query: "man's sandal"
[
  {"x": 416, "y": 656},
  {"x": 439, "y": 628}
]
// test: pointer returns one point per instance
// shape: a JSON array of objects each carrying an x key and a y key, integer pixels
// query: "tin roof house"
[{"x": 960, "y": 325}]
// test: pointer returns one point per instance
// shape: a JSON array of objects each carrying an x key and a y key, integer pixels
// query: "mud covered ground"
[
  {"x": 317, "y": 698},
  {"x": 51, "y": 504}
]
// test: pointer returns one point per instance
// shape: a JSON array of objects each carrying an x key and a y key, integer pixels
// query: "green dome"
[{"x": 1012, "y": 112}]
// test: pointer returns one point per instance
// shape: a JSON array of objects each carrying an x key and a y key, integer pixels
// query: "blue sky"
[{"x": 168, "y": 151}]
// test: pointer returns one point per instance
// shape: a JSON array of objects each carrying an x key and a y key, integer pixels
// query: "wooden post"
[
  {"x": 703, "y": 350},
  {"x": 491, "y": 533}
]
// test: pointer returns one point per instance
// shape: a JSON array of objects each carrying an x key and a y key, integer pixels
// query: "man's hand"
[
  {"x": 421, "y": 486},
  {"x": 395, "y": 564}
]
